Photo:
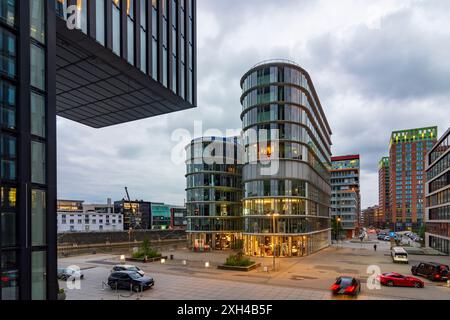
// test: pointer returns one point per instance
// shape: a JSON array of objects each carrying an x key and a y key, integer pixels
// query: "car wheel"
[
  {"x": 390, "y": 283},
  {"x": 417, "y": 285}
]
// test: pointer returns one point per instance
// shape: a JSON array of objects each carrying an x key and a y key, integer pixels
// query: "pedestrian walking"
[{"x": 375, "y": 247}]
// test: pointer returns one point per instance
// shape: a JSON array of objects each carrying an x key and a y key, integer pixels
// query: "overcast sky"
[{"x": 377, "y": 66}]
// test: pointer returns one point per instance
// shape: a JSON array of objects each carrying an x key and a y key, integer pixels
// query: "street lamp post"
[
  {"x": 273, "y": 215},
  {"x": 129, "y": 239}
]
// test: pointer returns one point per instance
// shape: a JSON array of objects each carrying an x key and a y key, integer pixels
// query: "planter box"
[
  {"x": 145, "y": 261},
  {"x": 239, "y": 268}
]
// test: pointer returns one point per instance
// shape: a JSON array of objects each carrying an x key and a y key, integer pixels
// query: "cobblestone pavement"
[
  {"x": 295, "y": 278},
  {"x": 176, "y": 287}
]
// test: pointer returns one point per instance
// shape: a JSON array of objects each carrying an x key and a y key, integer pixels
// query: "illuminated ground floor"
[
  {"x": 262, "y": 245},
  {"x": 205, "y": 241},
  {"x": 285, "y": 245}
]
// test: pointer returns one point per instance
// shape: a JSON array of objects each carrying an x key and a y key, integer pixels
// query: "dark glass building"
[
  {"x": 214, "y": 193},
  {"x": 286, "y": 212},
  {"x": 136, "y": 214},
  {"x": 437, "y": 211},
  {"x": 95, "y": 62}
]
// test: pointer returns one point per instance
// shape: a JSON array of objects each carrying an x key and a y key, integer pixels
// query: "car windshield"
[
  {"x": 133, "y": 268},
  {"x": 346, "y": 282},
  {"x": 135, "y": 275}
]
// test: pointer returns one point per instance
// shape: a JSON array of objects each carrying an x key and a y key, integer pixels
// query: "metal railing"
[{"x": 276, "y": 61}]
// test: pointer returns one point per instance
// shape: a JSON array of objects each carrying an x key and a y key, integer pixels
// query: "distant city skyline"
[{"x": 377, "y": 69}]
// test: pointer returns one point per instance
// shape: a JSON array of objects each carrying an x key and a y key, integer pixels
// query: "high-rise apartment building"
[
  {"x": 437, "y": 212},
  {"x": 287, "y": 206},
  {"x": 95, "y": 62},
  {"x": 383, "y": 193},
  {"x": 407, "y": 154},
  {"x": 345, "y": 195}
]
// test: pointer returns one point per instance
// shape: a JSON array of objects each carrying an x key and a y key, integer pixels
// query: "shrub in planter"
[
  {"x": 238, "y": 260},
  {"x": 146, "y": 251}
]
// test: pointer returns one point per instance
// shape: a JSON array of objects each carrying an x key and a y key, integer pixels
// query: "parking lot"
[{"x": 295, "y": 278}]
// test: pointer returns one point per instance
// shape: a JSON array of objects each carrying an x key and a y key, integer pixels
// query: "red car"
[{"x": 393, "y": 279}]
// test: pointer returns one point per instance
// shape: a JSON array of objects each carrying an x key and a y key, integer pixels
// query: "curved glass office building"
[
  {"x": 286, "y": 204},
  {"x": 214, "y": 193}
]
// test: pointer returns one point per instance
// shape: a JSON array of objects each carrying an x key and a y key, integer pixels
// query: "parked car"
[
  {"x": 347, "y": 286},
  {"x": 387, "y": 238},
  {"x": 129, "y": 280},
  {"x": 127, "y": 267},
  {"x": 431, "y": 270},
  {"x": 66, "y": 273},
  {"x": 381, "y": 237},
  {"x": 393, "y": 279}
]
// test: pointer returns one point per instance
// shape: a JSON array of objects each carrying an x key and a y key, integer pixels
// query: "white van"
[{"x": 399, "y": 254}]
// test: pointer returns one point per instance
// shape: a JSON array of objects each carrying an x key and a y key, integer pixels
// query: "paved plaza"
[{"x": 307, "y": 278}]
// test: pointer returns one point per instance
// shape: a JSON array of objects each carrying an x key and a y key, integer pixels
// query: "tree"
[{"x": 335, "y": 228}]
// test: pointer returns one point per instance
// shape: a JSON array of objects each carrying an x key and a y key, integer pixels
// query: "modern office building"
[
  {"x": 121, "y": 60},
  {"x": 178, "y": 217},
  {"x": 437, "y": 212},
  {"x": 345, "y": 195},
  {"x": 286, "y": 178},
  {"x": 136, "y": 214},
  {"x": 407, "y": 154},
  {"x": 214, "y": 193},
  {"x": 384, "y": 193},
  {"x": 160, "y": 216},
  {"x": 76, "y": 216}
]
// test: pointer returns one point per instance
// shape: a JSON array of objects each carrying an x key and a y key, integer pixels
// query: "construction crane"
[{"x": 135, "y": 219}]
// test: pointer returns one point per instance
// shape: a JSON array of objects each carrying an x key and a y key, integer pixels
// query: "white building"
[{"x": 75, "y": 216}]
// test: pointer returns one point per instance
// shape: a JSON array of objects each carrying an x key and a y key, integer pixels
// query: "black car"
[
  {"x": 346, "y": 285},
  {"x": 431, "y": 270},
  {"x": 128, "y": 267},
  {"x": 129, "y": 280}
]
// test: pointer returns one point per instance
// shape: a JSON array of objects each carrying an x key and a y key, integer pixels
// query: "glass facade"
[
  {"x": 168, "y": 56},
  {"x": 9, "y": 144},
  {"x": 214, "y": 193},
  {"x": 286, "y": 213},
  {"x": 437, "y": 211}
]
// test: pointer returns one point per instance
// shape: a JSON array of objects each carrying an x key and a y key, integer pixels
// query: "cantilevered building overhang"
[{"x": 98, "y": 88}]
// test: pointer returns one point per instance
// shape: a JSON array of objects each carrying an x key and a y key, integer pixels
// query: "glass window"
[
  {"x": 143, "y": 51},
  {"x": 38, "y": 217},
  {"x": 38, "y": 279},
  {"x": 9, "y": 275},
  {"x": 82, "y": 14},
  {"x": 8, "y": 11},
  {"x": 8, "y": 157},
  {"x": 116, "y": 27},
  {"x": 8, "y": 197},
  {"x": 130, "y": 41},
  {"x": 8, "y": 229},
  {"x": 100, "y": 21},
  {"x": 37, "y": 67},
  {"x": 37, "y": 162},
  {"x": 7, "y": 53},
  {"x": 7, "y": 105},
  {"x": 37, "y": 20},
  {"x": 37, "y": 115}
]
